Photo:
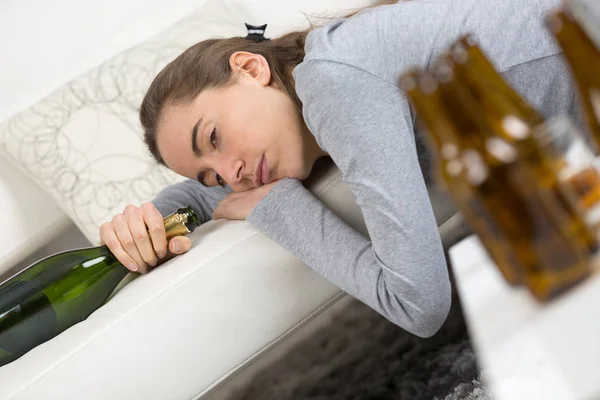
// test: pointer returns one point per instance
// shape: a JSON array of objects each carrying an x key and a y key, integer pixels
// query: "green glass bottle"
[{"x": 61, "y": 290}]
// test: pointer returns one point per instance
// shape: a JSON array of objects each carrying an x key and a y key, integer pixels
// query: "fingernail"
[
  {"x": 161, "y": 254},
  {"x": 175, "y": 246},
  {"x": 133, "y": 267}
]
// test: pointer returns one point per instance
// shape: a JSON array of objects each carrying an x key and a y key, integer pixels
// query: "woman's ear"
[{"x": 251, "y": 65}]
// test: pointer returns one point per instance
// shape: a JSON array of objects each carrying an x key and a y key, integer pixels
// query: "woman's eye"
[
  {"x": 213, "y": 137},
  {"x": 220, "y": 180}
]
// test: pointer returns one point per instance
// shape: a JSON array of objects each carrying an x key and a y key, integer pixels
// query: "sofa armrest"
[
  {"x": 184, "y": 328},
  {"x": 30, "y": 218}
]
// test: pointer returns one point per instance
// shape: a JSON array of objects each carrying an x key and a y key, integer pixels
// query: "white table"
[{"x": 528, "y": 350}]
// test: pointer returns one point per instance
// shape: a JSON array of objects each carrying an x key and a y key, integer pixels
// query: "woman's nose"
[{"x": 234, "y": 172}]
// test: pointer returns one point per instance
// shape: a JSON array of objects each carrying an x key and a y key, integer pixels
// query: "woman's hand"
[
  {"x": 238, "y": 205},
  {"x": 127, "y": 238}
]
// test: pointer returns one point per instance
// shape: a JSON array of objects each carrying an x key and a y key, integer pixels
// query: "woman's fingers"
[
  {"x": 110, "y": 239},
  {"x": 180, "y": 245},
  {"x": 154, "y": 221},
  {"x": 137, "y": 237},
  {"x": 121, "y": 227},
  {"x": 137, "y": 228}
]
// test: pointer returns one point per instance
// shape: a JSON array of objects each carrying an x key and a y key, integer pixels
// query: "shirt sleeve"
[
  {"x": 364, "y": 123},
  {"x": 191, "y": 193}
]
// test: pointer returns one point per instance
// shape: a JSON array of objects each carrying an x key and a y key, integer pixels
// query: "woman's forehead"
[
  {"x": 205, "y": 105},
  {"x": 172, "y": 127},
  {"x": 176, "y": 116}
]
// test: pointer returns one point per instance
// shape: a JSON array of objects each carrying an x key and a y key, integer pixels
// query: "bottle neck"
[
  {"x": 433, "y": 119},
  {"x": 580, "y": 51},
  {"x": 477, "y": 70},
  {"x": 176, "y": 225}
]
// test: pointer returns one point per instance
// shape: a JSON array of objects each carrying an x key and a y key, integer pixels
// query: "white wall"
[{"x": 44, "y": 44}]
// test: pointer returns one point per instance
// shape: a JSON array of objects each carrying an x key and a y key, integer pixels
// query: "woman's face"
[{"x": 244, "y": 135}]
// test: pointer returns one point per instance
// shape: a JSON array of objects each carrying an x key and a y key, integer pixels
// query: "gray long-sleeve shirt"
[{"x": 348, "y": 84}]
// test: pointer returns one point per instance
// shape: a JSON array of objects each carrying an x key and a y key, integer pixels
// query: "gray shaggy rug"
[{"x": 362, "y": 356}]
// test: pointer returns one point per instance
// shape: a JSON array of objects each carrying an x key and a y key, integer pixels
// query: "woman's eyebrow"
[{"x": 195, "y": 148}]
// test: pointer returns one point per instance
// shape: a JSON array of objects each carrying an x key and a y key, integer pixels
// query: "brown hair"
[{"x": 205, "y": 65}]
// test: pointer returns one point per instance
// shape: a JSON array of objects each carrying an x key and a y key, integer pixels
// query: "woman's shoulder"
[
  {"x": 387, "y": 40},
  {"x": 379, "y": 40}
]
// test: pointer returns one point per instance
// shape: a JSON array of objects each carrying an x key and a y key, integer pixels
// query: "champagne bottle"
[
  {"x": 61, "y": 290},
  {"x": 583, "y": 58},
  {"x": 531, "y": 218},
  {"x": 502, "y": 107},
  {"x": 442, "y": 140}
]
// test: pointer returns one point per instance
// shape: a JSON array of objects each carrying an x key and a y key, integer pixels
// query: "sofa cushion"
[{"x": 82, "y": 143}]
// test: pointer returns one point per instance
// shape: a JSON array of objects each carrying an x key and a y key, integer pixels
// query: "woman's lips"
[
  {"x": 261, "y": 175},
  {"x": 265, "y": 171}
]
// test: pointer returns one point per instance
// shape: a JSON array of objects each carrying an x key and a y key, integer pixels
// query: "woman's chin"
[
  {"x": 300, "y": 173},
  {"x": 304, "y": 174}
]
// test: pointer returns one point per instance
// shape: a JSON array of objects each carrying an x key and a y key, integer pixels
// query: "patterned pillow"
[{"x": 83, "y": 143}]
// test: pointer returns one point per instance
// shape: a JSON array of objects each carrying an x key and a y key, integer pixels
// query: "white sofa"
[
  {"x": 189, "y": 326},
  {"x": 197, "y": 327}
]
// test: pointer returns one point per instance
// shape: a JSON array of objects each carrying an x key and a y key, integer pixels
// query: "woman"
[{"x": 246, "y": 120}]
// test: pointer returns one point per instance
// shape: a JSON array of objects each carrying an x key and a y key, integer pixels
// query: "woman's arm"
[
  {"x": 364, "y": 123},
  {"x": 190, "y": 193}
]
